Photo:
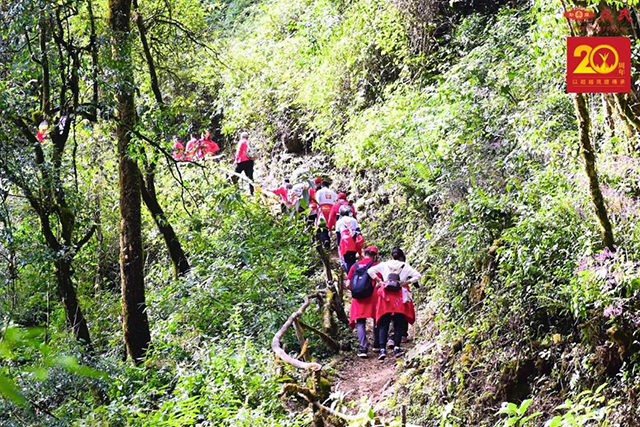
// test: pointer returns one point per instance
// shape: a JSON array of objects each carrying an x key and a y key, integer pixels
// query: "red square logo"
[{"x": 598, "y": 64}]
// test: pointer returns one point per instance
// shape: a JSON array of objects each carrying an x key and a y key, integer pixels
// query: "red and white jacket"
[{"x": 241, "y": 151}]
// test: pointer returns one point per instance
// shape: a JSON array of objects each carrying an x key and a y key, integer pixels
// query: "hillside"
[{"x": 448, "y": 125}]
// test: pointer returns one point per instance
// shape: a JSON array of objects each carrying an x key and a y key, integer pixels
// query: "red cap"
[
  {"x": 371, "y": 249},
  {"x": 318, "y": 180},
  {"x": 342, "y": 196}
]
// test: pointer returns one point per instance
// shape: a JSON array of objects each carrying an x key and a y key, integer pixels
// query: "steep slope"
[{"x": 466, "y": 156}]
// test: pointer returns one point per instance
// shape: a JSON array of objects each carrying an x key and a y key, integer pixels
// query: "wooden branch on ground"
[
  {"x": 293, "y": 389},
  {"x": 330, "y": 342},
  {"x": 277, "y": 348},
  {"x": 337, "y": 303},
  {"x": 328, "y": 325},
  {"x": 304, "y": 344}
]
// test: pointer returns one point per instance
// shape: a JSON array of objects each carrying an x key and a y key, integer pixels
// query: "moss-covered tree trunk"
[
  {"x": 69, "y": 299},
  {"x": 586, "y": 149},
  {"x": 177, "y": 254},
  {"x": 178, "y": 257},
  {"x": 134, "y": 317}
]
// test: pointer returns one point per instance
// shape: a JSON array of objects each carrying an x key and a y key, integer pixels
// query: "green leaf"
[
  {"x": 71, "y": 364},
  {"x": 508, "y": 408},
  {"x": 9, "y": 391},
  {"x": 524, "y": 406},
  {"x": 554, "y": 422}
]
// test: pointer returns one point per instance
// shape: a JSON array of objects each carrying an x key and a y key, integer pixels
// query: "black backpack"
[
  {"x": 361, "y": 286},
  {"x": 393, "y": 281}
]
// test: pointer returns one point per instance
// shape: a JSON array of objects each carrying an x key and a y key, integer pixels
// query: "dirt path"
[{"x": 367, "y": 378}]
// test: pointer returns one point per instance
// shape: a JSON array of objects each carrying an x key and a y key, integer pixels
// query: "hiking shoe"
[
  {"x": 362, "y": 355},
  {"x": 383, "y": 354},
  {"x": 376, "y": 349},
  {"x": 391, "y": 343},
  {"x": 397, "y": 351}
]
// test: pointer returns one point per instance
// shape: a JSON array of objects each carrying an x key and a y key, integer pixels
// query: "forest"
[{"x": 149, "y": 276}]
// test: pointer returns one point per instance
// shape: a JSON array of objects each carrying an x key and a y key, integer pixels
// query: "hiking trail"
[{"x": 359, "y": 380}]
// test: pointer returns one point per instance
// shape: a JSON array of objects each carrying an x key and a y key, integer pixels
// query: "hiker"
[
  {"x": 334, "y": 214},
  {"x": 193, "y": 149},
  {"x": 244, "y": 160},
  {"x": 283, "y": 192},
  {"x": 326, "y": 198},
  {"x": 297, "y": 195},
  {"x": 405, "y": 331},
  {"x": 313, "y": 212},
  {"x": 393, "y": 298},
  {"x": 178, "y": 151},
  {"x": 364, "y": 298},
  {"x": 317, "y": 185},
  {"x": 351, "y": 241},
  {"x": 207, "y": 146}
]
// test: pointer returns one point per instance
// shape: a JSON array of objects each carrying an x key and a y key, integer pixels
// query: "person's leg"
[
  {"x": 311, "y": 219},
  {"x": 323, "y": 234},
  {"x": 405, "y": 330},
  {"x": 238, "y": 170},
  {"x": 383, "y": 329},
  {"x": 337, "y": 239},
  {"x": 398, "y": 326},
  {"x": 349, "y": 259},
  {"x": 361, "y": 327},
  {"x": 376, "y": 336},
  {"x": 249, "y": 173}
]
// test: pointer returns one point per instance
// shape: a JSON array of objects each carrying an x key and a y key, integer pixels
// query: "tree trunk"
[
  {"x": 628, "y": 129},
  {"x": 586, "y": 149},
  {"x": 608, "y": 114},
  {"x": 626, "y": 111},
  {"x": 134, "y": 317},
  {"x": 178, "y": 257},
  {"x": 70, "y": 301}
]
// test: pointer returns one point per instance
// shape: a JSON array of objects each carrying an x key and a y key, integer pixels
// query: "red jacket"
[
  {"x": 362, "y": 308},
  {"x": 333, "y": 215},
  {"x": 209, "y": 147},
  {"x": 283, "y": 192},
  {"x": 241, "y": 152},
  {"x": 391, "y": 302}
]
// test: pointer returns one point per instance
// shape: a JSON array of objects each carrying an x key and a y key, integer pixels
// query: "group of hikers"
[
  {"x": 200, "y": 149},
  {"x": 380, "y": 291}
]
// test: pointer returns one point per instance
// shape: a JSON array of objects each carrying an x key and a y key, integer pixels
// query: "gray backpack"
[{"x": 393, "y": 280}]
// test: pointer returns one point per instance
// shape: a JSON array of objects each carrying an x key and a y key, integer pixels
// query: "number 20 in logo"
[
  {"x": 598, "y": 64},
  {"x": 606, "y": 61}
]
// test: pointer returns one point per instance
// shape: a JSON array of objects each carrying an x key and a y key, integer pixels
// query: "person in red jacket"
[
  {"x": 364, "y": 308},
  {"x": 193, "y": 149},
  {"x": 393, "y": 304},
  {"x": 207, "y": 146},
  {"x": 243, "y": 162},
  {"x": 178, "y": 151},
  {"x": 334, "y": 214},
  {"x": 283, "y": 192},
  {"x": 317, "y": 184}
]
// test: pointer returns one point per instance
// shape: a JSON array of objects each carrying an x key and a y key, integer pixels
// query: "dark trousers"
[
  {"x": 361, "y": 327},
  {"x": 323, "y": 236},
  {"x": 398, "y": 326},
  {"x": 245, "y": 167},
  {"x": 349, "y": 260}
]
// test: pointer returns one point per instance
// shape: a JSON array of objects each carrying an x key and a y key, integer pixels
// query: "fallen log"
[{"x": 277, "y": 348}]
